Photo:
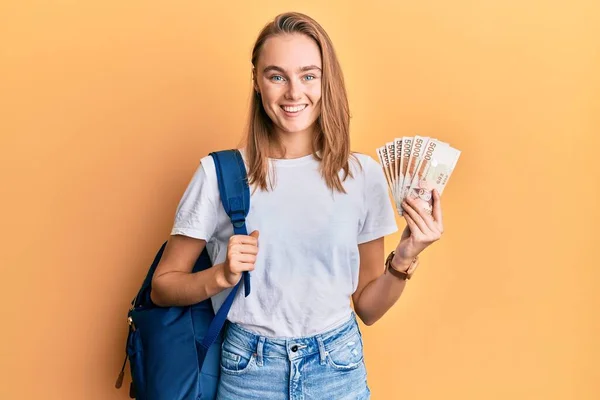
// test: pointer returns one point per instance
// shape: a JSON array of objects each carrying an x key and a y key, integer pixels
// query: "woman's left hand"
[{"x": 421, "y": 229}]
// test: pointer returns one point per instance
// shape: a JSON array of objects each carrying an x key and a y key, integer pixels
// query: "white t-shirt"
[{"x": 308, "y": 260}]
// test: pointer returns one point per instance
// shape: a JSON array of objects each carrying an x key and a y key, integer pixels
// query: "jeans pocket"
[
  {"x": 235, "y": 360},
  {"x": 347, "y": 355}
]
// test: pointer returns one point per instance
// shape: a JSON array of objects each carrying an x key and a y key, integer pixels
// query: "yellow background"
[{"x": 106, "y": 108}]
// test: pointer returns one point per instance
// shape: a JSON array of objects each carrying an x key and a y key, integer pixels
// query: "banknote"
[
  {"x": 434, "y": 171},
  {"x": 414, "y": 165},
  {"x": 407, "y": 142},
  {"x": 385, "y": 163},
  {"x": 398, "y": 158},
  {"x": 416, "y": 150},
  {"x": 391, "y": 152}
]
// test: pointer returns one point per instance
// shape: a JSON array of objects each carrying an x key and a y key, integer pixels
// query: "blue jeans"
[{"x": 326, "y": 366}]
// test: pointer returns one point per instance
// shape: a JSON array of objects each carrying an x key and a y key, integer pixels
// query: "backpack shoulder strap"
[
  {"x": 235, "y": 193},
  {"x": 233, "y": 187},
  {"x": 235, "y": 197}
]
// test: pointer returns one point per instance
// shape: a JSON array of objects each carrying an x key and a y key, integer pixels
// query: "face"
[{"x": 288, "y": 78}]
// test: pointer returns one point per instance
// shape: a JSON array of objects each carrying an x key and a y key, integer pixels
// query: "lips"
[{"x": 293, "y": 109}]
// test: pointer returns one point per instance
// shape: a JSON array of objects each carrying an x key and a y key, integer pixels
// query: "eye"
[
  {"x": 310, "y": 77},
  {"x": 277, "y": 78}
]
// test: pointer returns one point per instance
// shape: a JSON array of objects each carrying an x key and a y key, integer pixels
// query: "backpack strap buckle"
[{"x": 238, "y": 219}]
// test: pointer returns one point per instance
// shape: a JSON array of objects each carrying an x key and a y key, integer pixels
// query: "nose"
[{"x": 294, "y": 91}]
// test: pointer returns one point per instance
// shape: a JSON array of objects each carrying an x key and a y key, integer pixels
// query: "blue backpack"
[{"x": 174, "y": 352}]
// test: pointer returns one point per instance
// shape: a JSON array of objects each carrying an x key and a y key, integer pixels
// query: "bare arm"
[
  {"x": 174, "y": 283},
  {"x": 377, "y": 292}
]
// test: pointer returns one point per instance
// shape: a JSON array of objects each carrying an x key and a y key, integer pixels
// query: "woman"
[{"x": 322, "y": 213}]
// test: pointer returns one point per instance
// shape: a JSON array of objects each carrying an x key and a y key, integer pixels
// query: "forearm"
[
  {"x": 183, "y": 289},
  {"x": 378, "y": 297}
]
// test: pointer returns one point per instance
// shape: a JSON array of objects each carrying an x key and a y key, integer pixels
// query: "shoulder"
[
  {"x": 208, "y": 169},
  {"x": 208, "y": 164},
  {"x": 205, "y": 175},
  {"x": 362, "y": 164}
]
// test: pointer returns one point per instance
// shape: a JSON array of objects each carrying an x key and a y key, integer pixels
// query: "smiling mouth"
[{"x": 293, "y": 109}]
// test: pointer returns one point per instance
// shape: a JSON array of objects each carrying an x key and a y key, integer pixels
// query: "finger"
[
  {"x": 238, "y": 266},
  {"x": 244, "y": 249},
  {"x": 244, "y": 239},
  {"x": 245, "y": 258},
  {"x": 423, "y": 213},
  {"x": 437, "y": 209},
  {"x": 247, "y": 266},
  {"x": 416, "y": 217},
  {"x": 414, "y": 228}
]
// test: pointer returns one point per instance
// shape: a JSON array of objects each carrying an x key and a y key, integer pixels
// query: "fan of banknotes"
[{"x": 414, "y": 166}]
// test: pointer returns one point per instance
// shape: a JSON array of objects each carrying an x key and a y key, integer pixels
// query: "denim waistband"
[{"x": 292, "y": 348}]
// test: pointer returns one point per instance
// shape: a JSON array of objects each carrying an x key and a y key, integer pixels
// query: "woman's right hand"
[{"x": 241, "y": 256}]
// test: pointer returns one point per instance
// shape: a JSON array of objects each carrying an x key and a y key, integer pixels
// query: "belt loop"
[
  {"x": 322, "y": 352},
  {"x": 259, "y": 351}
]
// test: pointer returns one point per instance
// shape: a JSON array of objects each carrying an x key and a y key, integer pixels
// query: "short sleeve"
[
  {"x": 196, "y": 214},
  {"x": 379, "y": 218}
]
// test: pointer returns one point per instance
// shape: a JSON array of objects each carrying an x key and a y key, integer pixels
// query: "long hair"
[{"x": 331, "y": 142}]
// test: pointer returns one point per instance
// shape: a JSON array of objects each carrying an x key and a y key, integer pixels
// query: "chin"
[
  {"x": 288, "y": 127},
  {"x": 295, "y": 129}
]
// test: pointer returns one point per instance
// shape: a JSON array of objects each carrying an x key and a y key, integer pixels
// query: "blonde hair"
[{"x": 331, "y": 143}]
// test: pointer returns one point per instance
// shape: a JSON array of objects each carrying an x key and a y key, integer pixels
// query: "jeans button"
[{"x": 294, "y": 348}]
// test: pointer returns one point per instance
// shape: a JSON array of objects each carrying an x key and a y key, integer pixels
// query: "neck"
[{"x": 292, "y": 145}]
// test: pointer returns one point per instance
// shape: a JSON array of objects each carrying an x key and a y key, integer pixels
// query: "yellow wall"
[{"x": 107, "y": 106}]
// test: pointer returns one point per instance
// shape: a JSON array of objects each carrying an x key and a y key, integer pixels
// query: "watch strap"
[{"x": 404, "y": 275}]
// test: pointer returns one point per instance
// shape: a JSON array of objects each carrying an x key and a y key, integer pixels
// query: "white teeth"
[{"x": 295, "y": 108}]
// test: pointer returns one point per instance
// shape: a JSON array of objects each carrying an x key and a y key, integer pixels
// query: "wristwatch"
[{"x": 406, "y": 274}]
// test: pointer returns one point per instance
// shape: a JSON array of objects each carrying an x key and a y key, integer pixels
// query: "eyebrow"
[{"x": 279, "y": 69}]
